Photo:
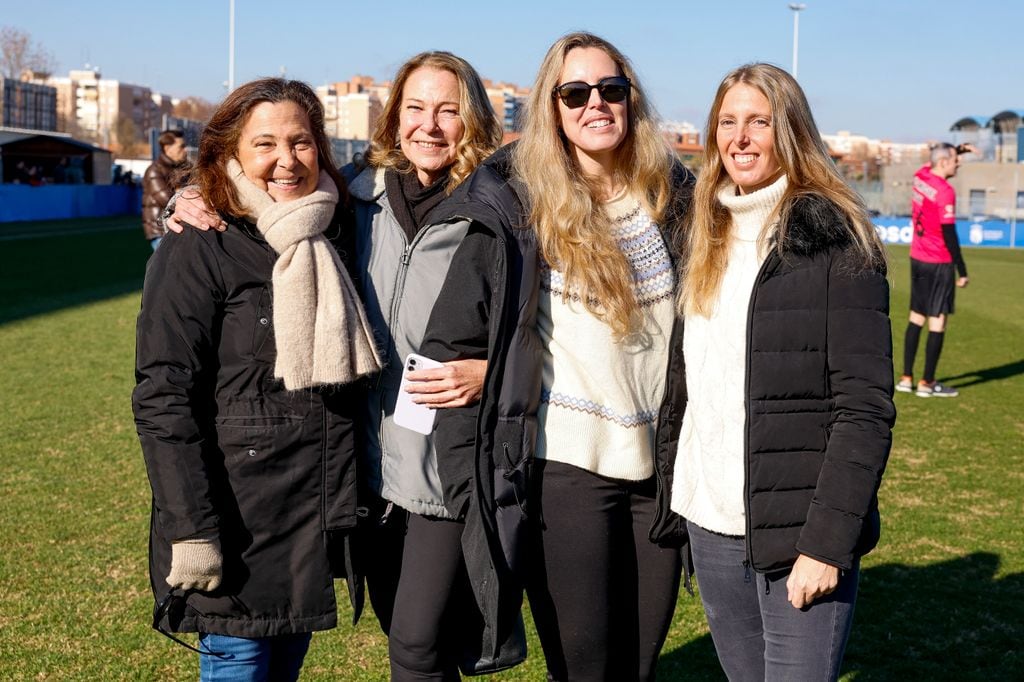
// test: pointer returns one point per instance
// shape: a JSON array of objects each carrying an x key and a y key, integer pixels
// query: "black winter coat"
[
  {"x": 485, "y": 450},
  {"x": 229, "y": 451},
  {"x": 819, "y": 399}
]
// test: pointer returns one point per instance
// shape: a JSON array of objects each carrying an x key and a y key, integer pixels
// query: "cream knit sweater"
[
  {"x": 707, "y": 486},
  {"x": 600, "y": 396}
]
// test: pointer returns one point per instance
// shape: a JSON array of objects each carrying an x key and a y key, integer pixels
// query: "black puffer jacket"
[
  {"x": 819, "y": 399},
  {"x": 488, "y": 309},
  {"x": 230, "y": 451}
]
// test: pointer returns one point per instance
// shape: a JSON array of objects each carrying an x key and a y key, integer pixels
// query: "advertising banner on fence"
[{"x": 897, "y": 230}]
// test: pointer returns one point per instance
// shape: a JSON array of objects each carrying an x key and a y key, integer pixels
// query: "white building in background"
[
  {"x": 852, "y": 147},
  {"x": 92, "y": 106},
  {"x": 508, "y": 101},
  {"x": 351, "y": 108}
]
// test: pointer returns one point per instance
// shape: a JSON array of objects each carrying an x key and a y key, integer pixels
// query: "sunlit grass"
[{"x": 940, "y": 598}]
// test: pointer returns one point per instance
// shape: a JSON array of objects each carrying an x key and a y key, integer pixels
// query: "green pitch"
[{"x": 941, "y": 598}]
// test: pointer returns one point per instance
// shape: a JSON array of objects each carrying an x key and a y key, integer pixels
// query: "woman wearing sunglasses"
[{"x": 565, "y": 284}]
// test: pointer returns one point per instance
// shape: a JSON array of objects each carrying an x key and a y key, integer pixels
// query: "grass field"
[{"x": 941, "y": 598}]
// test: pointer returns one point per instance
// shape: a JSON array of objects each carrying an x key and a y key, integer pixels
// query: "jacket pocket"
[{"x": 514, "y": 442}]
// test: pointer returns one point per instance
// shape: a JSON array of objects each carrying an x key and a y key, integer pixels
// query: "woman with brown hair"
[
  {"x": 779, "y": 416},
  {"x": 248, "y": 343}
]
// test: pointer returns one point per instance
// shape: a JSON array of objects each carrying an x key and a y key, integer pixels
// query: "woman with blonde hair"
[
  {"x": 780, "y": 415},
  {"x": 565, "y": 283}
]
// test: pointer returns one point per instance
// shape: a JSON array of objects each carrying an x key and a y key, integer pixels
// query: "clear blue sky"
[{"x": 897, "y": 69}]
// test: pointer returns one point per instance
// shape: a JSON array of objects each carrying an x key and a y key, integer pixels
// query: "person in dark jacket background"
[
  {"x": 160, "y": 181},
  {"x": 779, "y": 409},
  {"x": 247, "y": 343}
]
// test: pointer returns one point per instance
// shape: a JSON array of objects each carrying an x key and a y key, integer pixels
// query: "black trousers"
[
  {"x": 602, "y": 594},
  {"x": 417, "y": 582}
]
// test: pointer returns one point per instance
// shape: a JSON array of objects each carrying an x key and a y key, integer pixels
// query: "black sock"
[
  {"x": 910, "y": 341},
  {"x": 932, "y": 351}
]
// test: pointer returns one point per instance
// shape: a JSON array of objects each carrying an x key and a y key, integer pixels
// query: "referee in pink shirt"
[{"x": 934, "y": 253}]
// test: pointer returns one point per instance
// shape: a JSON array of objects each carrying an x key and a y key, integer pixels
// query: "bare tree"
[
  {"x": 127, "y": 139},
  {"x": 194, "y": 108},
  {"x": 19, "y": 52}
]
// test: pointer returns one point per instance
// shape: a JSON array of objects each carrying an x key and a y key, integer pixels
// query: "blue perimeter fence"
[
  {"x": 58, "y": 202},
  {"x": 997, "y": 233}
]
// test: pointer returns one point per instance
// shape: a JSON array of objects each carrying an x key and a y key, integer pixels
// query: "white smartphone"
[{"x": 410, "y": 415}]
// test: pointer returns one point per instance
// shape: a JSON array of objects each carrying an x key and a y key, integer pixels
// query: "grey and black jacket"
[
  {"x": 819, "y": 410},
  {"x": 399, "y": 280}
]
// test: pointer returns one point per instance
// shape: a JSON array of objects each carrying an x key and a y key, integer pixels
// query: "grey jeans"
[{"x": 758, "y": 634}]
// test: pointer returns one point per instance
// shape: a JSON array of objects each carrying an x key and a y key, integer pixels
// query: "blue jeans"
[
  {"x": 264, "y": 659},
  {"x": 758, "y": 634}
]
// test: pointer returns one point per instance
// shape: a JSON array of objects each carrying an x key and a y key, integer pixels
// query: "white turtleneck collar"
[{"x": 750, "y": 212}]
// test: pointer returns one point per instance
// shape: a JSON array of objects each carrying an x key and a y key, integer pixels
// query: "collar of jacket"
[
  {"x": 168, "y": 162},
  {"x": 368, "y": 185},
  {"x": 491, "y": 196},
  {"x": 815, "y": 225}
]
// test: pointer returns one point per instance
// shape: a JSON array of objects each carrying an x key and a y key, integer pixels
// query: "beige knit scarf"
[{"x": 320, "y": 327}]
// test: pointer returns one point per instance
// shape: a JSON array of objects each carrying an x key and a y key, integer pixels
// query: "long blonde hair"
[
  {"x": 566, "y": 210},
  {"x": 482, "y": 134},
  {"x": 802, "y": 156}
]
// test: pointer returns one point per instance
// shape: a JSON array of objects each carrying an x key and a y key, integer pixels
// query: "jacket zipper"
[
  {"x": 396, "y": 302},
  {"x": 749, "y": 562}
]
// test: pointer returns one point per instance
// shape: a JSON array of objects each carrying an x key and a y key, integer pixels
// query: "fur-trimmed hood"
[{"x": 815, "y": 225}]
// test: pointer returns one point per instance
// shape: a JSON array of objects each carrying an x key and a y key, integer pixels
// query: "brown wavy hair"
[
  {"x": 482, "y": 131},
  {"x": 804, "y": 159},
  {"x": 220, "y": 138},
  {"x": 567, "y": 207}
]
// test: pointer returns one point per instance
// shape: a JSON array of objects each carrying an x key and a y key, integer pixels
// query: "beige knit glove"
[{"x": 196, "y": 564}]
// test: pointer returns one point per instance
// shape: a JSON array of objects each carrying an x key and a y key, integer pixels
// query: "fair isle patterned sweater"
[{"x": 600, "y": 397}]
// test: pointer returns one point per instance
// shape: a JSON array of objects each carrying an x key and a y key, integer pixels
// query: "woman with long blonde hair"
[
  {"x": 781, "y": 429},
  {"x": 565, "y": 283}
]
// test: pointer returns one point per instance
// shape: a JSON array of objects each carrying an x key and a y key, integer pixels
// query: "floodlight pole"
[
  {"x": 1013, "y": 206},
  {"x": 231, "y": 46},
  {"x": 797, "y": 7}
]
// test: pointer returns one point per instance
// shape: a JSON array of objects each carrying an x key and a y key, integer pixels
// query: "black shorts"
[{"x": 932, "y": 286}]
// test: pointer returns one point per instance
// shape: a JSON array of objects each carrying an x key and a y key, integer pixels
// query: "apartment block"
[
  {"x": 351, "y": 108},
  {"x": 100, "y": 109},
  {"x": 508, "y": 101},
  {"x": 27, "y": 105}
]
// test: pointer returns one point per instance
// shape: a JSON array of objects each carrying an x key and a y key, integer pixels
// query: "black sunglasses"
[
  {"x": 175, "y": 604},
  {"x": 577, "y": 93}
]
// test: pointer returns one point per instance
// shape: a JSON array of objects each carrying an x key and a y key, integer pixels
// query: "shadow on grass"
[
  {"x": 61, "y": 268},
  {"x": 695, "y": 660},
  {"x": 954, "y": 620},
  {"x": 951, "y": 620},
  {"x": 980, "y": 376}
]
